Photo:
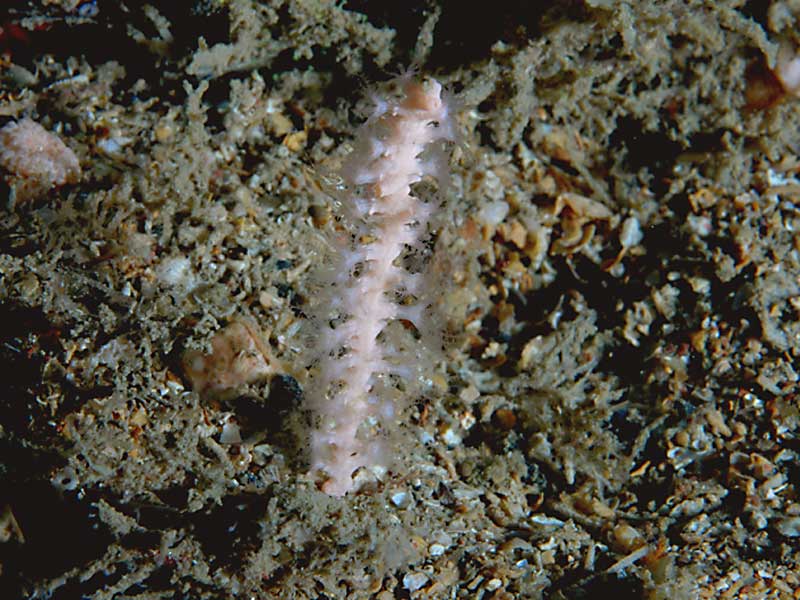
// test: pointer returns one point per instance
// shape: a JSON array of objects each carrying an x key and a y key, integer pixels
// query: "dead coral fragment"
[
  {"x": 36, "y": 159},
  {"x": 237, "y": 357}
]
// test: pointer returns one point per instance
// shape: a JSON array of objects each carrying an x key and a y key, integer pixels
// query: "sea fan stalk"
[{"x": 369, "y": 287}]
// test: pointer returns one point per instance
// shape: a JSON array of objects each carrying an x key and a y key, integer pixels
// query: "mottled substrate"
[{"x": 617, "y": 411}]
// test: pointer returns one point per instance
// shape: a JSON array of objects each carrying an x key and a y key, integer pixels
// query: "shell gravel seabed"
[{"x": 613, "y": 401}]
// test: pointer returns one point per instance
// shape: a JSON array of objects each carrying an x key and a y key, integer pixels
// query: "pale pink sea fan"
[{"x": 351, "y": 391}]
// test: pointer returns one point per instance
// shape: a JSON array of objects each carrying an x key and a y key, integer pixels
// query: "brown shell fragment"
[{"x": 237, "y": 357}]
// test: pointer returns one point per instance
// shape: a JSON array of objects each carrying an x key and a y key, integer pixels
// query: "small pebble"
[{"x": 414, "y": 581}]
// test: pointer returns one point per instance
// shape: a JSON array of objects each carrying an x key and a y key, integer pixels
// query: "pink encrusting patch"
[
  {"x": 349, "y": 392},
  {"x": 36, "y": 158}
]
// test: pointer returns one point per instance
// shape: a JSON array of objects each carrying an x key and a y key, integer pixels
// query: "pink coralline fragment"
[
  {"x": 401, "y": 143},
  {"x": 36, "y": 159}
]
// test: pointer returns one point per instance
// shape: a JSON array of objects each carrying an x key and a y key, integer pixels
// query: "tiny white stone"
[
  {"x": 789, "y": 527},
  {"x": 631, "y": 233},
  {"x": 493, "y": 213},
  {"x": 230, "y": 434},
  {"x": 400, "y": 499},
  {"x": 700, "y": 225},
  {"x": 451, "y": 438},
  {"x": 172, "y": 271},
  {"x": 493, "y": 584},
  {"x": 547, "y": 521},
  {"x": 414, "y": 581}
]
